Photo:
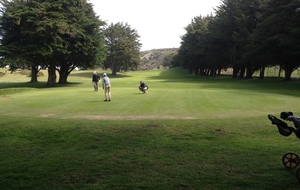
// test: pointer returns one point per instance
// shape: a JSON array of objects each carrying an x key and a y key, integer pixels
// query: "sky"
[{"x": 159, "y": 23}]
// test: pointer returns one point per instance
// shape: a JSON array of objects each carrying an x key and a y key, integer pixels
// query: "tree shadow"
[
  {"x": 23, "y": 85},
  {"x": 88, "y": 74},
  {"x": 43, "y": 84},
  {"x": 39, "y": 85},
  {"x": 267, "y": 85}
]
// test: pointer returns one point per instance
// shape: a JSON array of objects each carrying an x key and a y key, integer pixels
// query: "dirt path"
[{"x": 101, "y": 117}]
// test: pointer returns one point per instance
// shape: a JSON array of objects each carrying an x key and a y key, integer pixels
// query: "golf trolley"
[{"x": 290, "y": 160}]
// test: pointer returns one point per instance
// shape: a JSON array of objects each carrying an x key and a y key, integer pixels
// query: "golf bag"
[
  {"x": 290, "y": 159},
  {"x": 283, "y": 127}
]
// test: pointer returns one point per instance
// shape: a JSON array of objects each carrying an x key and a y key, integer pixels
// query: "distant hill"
[{"x": 156, "y": 58}]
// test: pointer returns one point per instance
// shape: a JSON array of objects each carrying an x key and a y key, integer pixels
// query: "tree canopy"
[
  {"x": 55, "y": 34},
  {"x": 123, "y": 47}
]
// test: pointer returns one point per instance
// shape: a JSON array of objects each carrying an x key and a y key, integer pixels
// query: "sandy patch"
[
  {"x": 47, "y": 115},
  {"x": 101, "y": 117}
]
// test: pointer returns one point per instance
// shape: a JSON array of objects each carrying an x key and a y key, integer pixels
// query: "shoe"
[
  {"x": 105, "y": 100},
  {"x": 109, "y": 100}
]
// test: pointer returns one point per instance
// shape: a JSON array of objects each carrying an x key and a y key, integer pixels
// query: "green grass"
[{"x": 187, "y": 132}]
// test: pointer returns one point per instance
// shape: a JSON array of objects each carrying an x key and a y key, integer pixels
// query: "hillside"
[
  {"x": 157, "y": 58},
  {"x": 150, "y": 59}
]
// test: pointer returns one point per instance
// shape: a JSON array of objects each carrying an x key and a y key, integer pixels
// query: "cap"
[{"x": 104, "y": 74}]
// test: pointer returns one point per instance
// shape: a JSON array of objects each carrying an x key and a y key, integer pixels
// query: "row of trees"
[
  {"x": 246, "y": 35},
  {"x": 60, "y": 35}
]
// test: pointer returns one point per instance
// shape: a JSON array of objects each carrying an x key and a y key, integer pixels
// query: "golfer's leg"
[
  {"x": 108, "y": 92},
  {"x": 96, "y": 86},
  {"x": 105, "y": 92}
]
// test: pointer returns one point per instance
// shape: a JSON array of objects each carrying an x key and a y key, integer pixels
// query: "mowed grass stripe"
[{"x": 170, "y": 100}]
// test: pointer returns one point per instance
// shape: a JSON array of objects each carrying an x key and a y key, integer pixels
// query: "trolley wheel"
[
  {"x": 289, "y": 160},
  {"x": 298, "y": 174}
]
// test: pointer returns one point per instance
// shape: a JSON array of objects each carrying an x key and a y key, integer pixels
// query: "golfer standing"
[
  {"x": 106, "y": 86},
  {"x": 95, "y": 81}
]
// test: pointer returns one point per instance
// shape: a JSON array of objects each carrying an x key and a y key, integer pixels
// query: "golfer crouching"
[{"x": 143, "y": 87}]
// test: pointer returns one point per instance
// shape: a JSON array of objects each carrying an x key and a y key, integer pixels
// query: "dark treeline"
[{"x": 245, "y": 35}]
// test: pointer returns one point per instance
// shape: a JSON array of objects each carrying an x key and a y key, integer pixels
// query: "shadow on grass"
[
  {"x": 88, "y": 74},
  {"x": 35, "y": 85},
  {"x": 12, "y": 88},
  {"x": 172, "y": 75},
  {"x": 179, "y": 75},
  {"x": 267, "y": 85},
  {"x": 23, "y": 85}
]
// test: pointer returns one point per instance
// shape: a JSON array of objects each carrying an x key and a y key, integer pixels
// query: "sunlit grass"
[{"x": 187, "y": 132}]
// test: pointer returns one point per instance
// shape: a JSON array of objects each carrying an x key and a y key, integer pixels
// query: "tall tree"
[
  {"x": 278, "y": 35},
  {"x": 192, "y": 52},
  {"x": 247, "y": 22},
  {"x": 16, "y": 48},
  {"x": 123, "y": 47},
  {"x": 218, "y": 46},
  {"x": 252, "y": 56},
  {"x": 83, "y": 41},
  {"x": 227, "y": 21}
]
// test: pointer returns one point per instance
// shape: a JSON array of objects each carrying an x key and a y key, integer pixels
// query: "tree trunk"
[
  {"x": 279, "y": 72},
  {"x": 63, "y": 78},
  {"x": 213, "y": 72},
  {"x": 235, "y": 72},
  {"x": 51, "y": 75},
  {"x": 197, "y": 71},
  {"x": 249, "y": 72},
  {"x": 262, "y": 72},
  {"x": 219, "y": 72},
  {"x": 114, "y": 71},
  {"x": 64, "y": 72},
  {"x": 34, "y": 73},
  {"x": 242, "y": 72},
  {"x": 287, "y": 74}
]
